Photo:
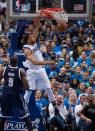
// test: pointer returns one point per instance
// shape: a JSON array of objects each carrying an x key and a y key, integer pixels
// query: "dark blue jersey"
[{"x": 12, "y": 80}]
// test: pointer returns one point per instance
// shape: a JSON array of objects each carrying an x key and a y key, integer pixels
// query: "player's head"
[
  {"x": 29, "y": 38},
  {"x": 13, "y": 61}
]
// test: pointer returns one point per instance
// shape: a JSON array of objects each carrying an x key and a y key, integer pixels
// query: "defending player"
[
  {"x": 14, "y": 80},
  {"x": 36, "y": 73}
]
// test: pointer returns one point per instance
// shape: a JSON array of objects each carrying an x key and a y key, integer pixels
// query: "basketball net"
[{"x": 54, "y": 13}]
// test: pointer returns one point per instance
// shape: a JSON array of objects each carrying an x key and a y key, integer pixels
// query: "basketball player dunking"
[{"x": 36, "y": 73}]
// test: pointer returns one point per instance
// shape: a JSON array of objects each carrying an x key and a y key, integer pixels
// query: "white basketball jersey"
[{"x": 37, "y": 55}]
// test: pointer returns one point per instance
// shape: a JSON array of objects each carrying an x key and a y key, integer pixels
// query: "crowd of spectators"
[{"x": 72, "y": 77}]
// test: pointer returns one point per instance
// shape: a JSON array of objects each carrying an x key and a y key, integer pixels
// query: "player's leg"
[
  {"x": 2, "y": 123},
  {"x": 27, "y": 96},
  {"x": 44, "y": 83},
  {"x": 32, "y": 87},
  {"x": 6, "y": 109},
  {"x": 50, "y": 94},
  {"x": 28, "y": 123},
  {"x": 20, "y": 106}
]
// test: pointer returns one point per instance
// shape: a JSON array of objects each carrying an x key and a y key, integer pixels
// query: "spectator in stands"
[
  {"x": 91, "y": 46},
  {"x": 77, "y": 74},
  {"x": 74, "y": 83},
  {"x": 62, "y": 109},
  {"x": 78, "y": 109},
  {"x": 91, "y": 83},
  {"x": 84, "y": 66},
  {"x": 2, "y": 52},
  {"x": 90, "y": 91},
  {"x": 71, "y": 109},
  {"x": 86, "y": 49},
  {"x": 92, "y": 57},
  {"x": 68, "y": 58},
  {"x": 40, "y": 102},
  {"x": 55, "y": 88},
  {"x": 85, "y": 76},
  {"x": 58, "y": 118},
  {"x": 81, "y": 89},
  {"x": 63, "y": 53},
  {"x": 62, "y": 75},
  {"x": 88, "y": 114},
  {"x": 4, "y": 42},
  {"x": 5, "y": 60},
  {"x": 72, "y": 102},
  {"x": 93, "y": 75},
  {"x": 84, "y": 57},
  {"x": 66, "y": 99}
]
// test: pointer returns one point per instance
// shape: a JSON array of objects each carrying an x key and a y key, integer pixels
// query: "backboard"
[
  {"x": 28, "y": 8},
  {"x": 78, "y": 8}
]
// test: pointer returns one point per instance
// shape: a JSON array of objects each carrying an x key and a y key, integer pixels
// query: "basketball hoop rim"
[{"x": 56, "y": 13}]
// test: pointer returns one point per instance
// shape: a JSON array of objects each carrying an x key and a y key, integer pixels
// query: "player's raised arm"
[
  {"x": 1, "y": 73},
  {"x": 36, "y": 26}
]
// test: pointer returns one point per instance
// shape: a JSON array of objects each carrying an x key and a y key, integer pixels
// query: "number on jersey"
[{"x": 10, "y": 82}]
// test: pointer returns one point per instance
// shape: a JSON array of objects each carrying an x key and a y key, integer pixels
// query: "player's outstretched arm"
[{"x": 24, "y": 79}]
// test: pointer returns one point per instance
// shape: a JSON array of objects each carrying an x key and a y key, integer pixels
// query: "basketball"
[{"x": 62, "y": 26}]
